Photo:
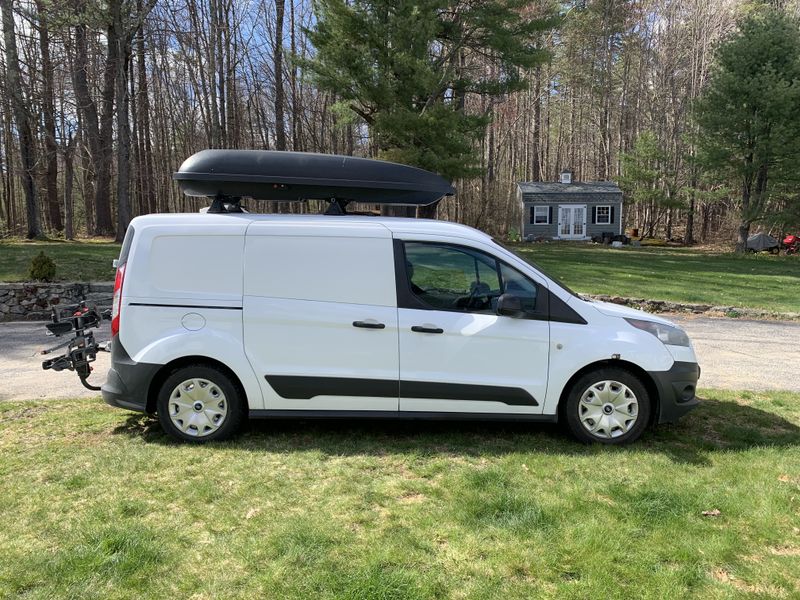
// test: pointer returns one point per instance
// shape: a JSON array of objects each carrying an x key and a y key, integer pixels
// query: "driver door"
[{"x": 457, "y": 355}]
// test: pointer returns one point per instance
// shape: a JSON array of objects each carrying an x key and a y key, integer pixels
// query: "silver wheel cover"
[
  {"x": 197, "y": 407},
  {"x": 608, "y": 409}
]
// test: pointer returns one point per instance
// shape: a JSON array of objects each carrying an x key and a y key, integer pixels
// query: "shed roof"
[{"x": 578, "y": 187}]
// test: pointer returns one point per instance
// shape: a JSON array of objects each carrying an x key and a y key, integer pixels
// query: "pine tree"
[
  {"x": 405, "y": 68},
  {"x": 749, "y": 116},
  {"x": 646, "y": 181}
]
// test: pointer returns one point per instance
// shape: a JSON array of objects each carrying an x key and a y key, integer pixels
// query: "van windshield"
[{"x": 552, "y": 278}]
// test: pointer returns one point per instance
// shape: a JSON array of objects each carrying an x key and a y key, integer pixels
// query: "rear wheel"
[
  {"x": 608, "y": 406},
  {"x": 200, "y": 403}
]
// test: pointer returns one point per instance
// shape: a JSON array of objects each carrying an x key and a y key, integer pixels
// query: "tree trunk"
[
  {"x": 22, "y": 119},
  {"x": 277, "y": 48},
  {"x": 297, "y": 105},
  {"x": 688, "y": 237},
  {"x": 102, "y": 191},
  {"x": 280, "y": 96},
  {"x": 536, "y": 164},
  {"x": 145, "y": 174},
  {"x": 706, "y": 213},
  {"x": 97, "y": 135},
  {"x": 123, "y": 136},
  {"x": 744, "y": 233},
  {"x": 69, "y": 227},
  {"x": 744, "y": 225},
  {"x": 48, "y": 114},
  {"x": 669, "y": 224}
]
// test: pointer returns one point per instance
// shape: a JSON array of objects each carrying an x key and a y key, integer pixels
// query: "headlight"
[{"x": 666, "y": 333}]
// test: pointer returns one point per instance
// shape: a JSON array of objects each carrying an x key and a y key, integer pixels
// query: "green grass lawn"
[
  {"x": 75, "y": 261},
  {"x": 676, "y": 274},
  {"x": 655, "y": 273},
  {"x": 98, "y": 503}
]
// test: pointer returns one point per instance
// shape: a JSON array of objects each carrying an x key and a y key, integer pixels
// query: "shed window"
[
  {"x": 603, "y": 215},
  {"x": 540, "y": 215}
]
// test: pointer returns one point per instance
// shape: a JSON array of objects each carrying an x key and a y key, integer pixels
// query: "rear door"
[
  {"x": 320, "y": 316},
  {"x": 456, "y": 353}
]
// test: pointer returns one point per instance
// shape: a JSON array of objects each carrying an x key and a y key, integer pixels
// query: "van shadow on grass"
[{"x": 713, "y": 427}]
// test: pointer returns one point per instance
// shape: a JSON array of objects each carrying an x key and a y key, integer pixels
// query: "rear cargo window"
[{"x": 126, "y": 246}]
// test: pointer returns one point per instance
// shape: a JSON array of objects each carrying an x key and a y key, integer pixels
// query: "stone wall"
[{"x": 34, "y": 301}]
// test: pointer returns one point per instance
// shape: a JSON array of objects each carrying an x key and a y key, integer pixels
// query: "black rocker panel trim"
[
  {"x": 511, "y": 396},
  {"x": 399, "y": 414},
  {"x": 292, "y": 387}
]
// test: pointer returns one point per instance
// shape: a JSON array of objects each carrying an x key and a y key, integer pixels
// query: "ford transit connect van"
[{"x": 222, "y": 316}]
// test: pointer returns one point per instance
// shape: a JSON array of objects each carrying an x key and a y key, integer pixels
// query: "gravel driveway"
[
  {"x": 733, "y": 354},
  {"x": 745, "y": 355},
  {"x": 21, "y": 374}
]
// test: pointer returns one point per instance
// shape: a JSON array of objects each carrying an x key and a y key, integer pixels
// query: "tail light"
[{"x": 116, "y": 305}]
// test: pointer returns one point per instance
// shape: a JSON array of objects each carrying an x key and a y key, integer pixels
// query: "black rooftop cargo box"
[{"x": 271, "y": 175}]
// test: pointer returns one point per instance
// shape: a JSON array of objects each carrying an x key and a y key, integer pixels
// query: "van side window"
[
  {"x": 452, "y": 278},
  {"x": 456, "y": 278},
  {"x": 523, "y": 288}
]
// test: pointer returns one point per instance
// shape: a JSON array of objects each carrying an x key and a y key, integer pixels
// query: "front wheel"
[
  {"x": 200, "y": 403},
  {"x": 608, "y": 406}
]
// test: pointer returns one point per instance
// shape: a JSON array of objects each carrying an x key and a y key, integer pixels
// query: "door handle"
[
  {"x": 368, "y": 325},
  {"x": 421, "y": 329}
]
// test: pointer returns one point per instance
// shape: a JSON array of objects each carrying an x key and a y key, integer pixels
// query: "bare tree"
[
  {"x": 48, "y": 114},
  {"x": 22, "y": 119}
]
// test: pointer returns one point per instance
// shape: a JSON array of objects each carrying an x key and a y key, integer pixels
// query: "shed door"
[{"x": 572, "y": 221}]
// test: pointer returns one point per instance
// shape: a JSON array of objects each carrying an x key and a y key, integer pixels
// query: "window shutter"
[
  {"x": 549, "y": 215},
  {"x": 594, "y": 215},
  {"x": 531, "y": 220},
  {"x": 612, "y": 214}
]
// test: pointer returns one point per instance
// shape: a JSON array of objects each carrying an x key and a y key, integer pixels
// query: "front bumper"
[
  {"x": 128, "y": 382},
  {"x": 676, "y": 390}
]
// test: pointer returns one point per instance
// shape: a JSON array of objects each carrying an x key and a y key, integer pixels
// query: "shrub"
[{"x": 42, "y": 268}]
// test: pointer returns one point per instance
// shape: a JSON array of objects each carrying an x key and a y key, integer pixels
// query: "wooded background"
[{"x": 103, "y": 100}]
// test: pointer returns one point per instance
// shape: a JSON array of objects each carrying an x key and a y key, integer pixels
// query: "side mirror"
[{"x": 509, "y": 305}]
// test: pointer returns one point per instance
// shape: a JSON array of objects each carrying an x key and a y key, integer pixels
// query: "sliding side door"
[{"x": 320, "y": 316}]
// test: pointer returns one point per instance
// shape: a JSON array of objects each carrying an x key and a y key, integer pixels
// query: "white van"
[{"x": 223, "y": 316}]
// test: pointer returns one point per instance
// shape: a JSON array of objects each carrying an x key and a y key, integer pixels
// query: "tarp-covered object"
[
  {"x": 271, "y": 175},
  {"x": 761, "y": 241}
]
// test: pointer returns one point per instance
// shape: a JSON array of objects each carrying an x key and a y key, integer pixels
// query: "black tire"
[
  {"x": 203, "y": 426},
  {"x": 607, "y": 433}
]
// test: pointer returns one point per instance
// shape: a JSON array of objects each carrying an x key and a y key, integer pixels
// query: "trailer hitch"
[{"x": 82, "y": 348}]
